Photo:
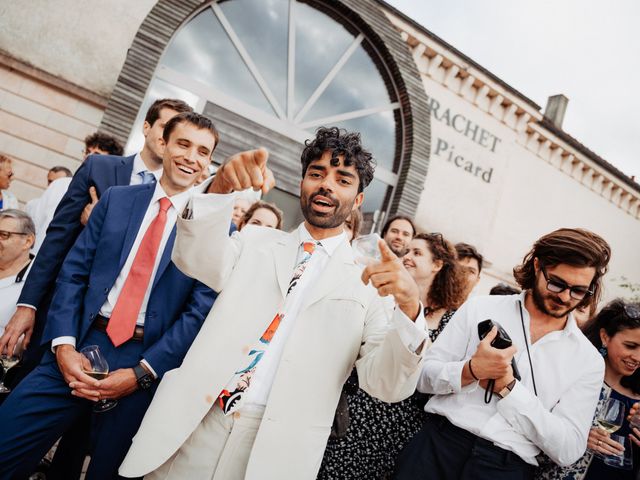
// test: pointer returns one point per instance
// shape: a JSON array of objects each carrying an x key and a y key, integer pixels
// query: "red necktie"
[{"x": 124, "y": 315}]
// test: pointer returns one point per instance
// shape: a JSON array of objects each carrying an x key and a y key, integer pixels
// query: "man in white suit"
[{"x": 256, "y": 394}]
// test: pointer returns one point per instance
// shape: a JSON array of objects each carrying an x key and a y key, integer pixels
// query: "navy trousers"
[
  {"x": 41, "y": 409},
  {"x": 442, "y": 451}
]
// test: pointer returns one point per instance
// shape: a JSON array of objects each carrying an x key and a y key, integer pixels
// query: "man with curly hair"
[{"x": 256, "y": 394}]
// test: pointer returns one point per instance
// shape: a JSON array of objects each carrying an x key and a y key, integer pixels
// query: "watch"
[
  {"x": 507, "y": 389},
  {"x": 143, "y": 377}
]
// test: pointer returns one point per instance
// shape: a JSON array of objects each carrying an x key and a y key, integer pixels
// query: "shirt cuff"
[
  {"x": 203, "y": 204},
  {"x": 514, "y": 403},
  {"x": 26, "y": 305},
  {"x": 62, "y": 341},
  {"x": 412, "y": 333},
  {"x": 146, "y": 364}
]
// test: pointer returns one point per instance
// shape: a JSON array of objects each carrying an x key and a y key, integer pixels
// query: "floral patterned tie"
[{"x": 229, "y": 398}]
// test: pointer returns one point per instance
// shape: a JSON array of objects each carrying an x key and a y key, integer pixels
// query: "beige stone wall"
[{"x": 41, "y": 126}]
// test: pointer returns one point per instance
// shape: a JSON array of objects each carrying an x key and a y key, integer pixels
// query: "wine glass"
[
  {"x": 8, "y": 362},
  {"x": 610, "y": 418},
  {"x": 624, "y": 460},
  {"x": 98, "y": 368},
  {"x": 365, "y": 249}
]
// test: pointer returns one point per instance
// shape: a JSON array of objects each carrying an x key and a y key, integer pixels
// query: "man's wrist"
[
  {"x": 506, "y": 389},
  {"x": 411, "y": 309},
  {"x": 63, "y": 347}
]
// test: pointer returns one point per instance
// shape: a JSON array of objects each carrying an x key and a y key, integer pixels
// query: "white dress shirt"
[
  {"x": 41, "y": 209},
  {"x": 412, "y": 333},
  {"x": 10, "y": 288},
  {"x": 178, "y": 202},
  {"x": 568, "y": 373}
]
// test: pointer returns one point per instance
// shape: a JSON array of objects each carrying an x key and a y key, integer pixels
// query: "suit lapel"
[
  {"x": 166, "y": 256},
  {"x": 124, "y": 170},
  {"x": 138, "y": 209},
  {"x": 333, "y": 275},
  {"x": 285, "y": 252}
]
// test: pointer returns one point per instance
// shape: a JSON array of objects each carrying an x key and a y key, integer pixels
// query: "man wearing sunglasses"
[{"x": 489, "y": 420}]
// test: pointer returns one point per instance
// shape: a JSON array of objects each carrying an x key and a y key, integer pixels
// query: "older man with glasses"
[
  {"x": 17, "y": 235},
  {"x": 496, "y": 407}
]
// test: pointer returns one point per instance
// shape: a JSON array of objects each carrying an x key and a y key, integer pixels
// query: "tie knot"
[
  {"x": 165, "y": 203},
  {"x": 147, "y": 177},
  {"x": 309, "y": 247}
]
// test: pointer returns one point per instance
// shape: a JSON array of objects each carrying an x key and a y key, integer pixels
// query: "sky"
[{"x": 587, "y": 50}]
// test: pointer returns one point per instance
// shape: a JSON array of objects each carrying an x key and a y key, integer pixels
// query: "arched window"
[{"x": 269, "y": 73}]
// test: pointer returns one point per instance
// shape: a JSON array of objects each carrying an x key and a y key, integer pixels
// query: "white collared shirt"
[
  {"x": 138, "y": 167},
  {"x": 178, "y": 202},
  {"x": 568, "y": 375}
]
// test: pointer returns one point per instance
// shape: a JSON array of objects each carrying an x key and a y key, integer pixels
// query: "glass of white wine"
[
  {"x": 97, "y": 367},
  {"x": 610, "y": 418},
  {"x": 8, "y": 362}
]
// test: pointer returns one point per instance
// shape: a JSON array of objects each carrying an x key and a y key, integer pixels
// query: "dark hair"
[
  {"x": 26, "y": 224},
  {"x": 613, "y": 319},
  {"x": 261, "y": 204},
  {"x": 170, "y": 103},
  {"x": 469, "y": 251},
  {"x": 340, "y": 143},
  {"x": 105, "y": 142},
  {"x": 199, "y": 121},
  {"x": 503, "y": 289},
  {"x": 388, "y": 223},
  {"x": 571, "y": 246},
  {"x": 59, "y": 168},
  {"x": 356, "y": 222},
  {"x": 448, "y": 288}
]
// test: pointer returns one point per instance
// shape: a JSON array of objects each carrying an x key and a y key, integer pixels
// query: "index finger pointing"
[{"x": 385, "y": 252}]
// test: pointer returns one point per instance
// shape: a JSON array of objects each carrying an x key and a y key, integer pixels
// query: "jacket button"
[
  {"x": 106, "y": 290},
  {"x": 91, "y": 316}
]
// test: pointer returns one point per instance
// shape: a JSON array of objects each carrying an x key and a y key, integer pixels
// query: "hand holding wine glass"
[
  {"x": 609, "y": 420},
  {"x": 10, "y": 361},
  {"x": 97, "y": 367}
]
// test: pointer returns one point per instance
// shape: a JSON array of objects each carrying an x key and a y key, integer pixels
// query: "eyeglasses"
[
  {"x": 559, "y": 286},
  {"x": 4, "y": 234}
]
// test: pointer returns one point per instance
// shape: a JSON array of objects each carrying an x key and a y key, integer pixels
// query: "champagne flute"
[
  {"x": 97, "y": 367},
  {"x": 610, "y": 418},
  {"x": 10, "y": 361}
]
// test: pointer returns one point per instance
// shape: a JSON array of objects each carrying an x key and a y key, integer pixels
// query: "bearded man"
[
  {"x": 256, "y": 394},
  {"x": 489, "y": 420}
]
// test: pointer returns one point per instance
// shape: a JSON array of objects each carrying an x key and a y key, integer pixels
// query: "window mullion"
[
  {"x": 244, "y": 54},
  {"x": 330, "y": 76}
]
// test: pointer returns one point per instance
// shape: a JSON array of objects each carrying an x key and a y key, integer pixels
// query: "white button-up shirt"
[{"x": 568, "y": 373}]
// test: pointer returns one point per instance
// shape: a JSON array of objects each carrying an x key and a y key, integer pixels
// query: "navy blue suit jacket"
[
  {"x": 178, "y": 305},
  {"x": 100, "y": 171}
]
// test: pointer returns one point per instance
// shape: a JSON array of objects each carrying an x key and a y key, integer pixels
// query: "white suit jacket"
[{"x": 341, "y": 322}]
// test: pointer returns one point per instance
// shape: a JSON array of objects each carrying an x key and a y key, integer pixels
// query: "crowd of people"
[{"x": 166, "y": 326}]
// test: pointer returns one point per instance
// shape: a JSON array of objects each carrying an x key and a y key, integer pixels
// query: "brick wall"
[{"x": 42, "y": 124}]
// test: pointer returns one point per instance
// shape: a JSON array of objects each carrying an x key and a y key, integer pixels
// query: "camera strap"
[{"x": 526, "y": 342}]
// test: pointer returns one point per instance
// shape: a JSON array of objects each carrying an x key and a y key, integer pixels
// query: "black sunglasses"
[{"x": 559, "y": 286}]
